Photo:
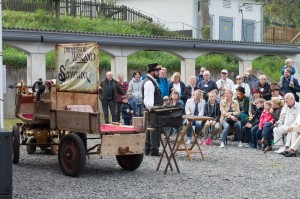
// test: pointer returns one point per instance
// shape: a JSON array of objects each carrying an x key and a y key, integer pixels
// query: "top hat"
[
  {"x": 153, "y": 67},
  {"x": 241, "y": 89}
]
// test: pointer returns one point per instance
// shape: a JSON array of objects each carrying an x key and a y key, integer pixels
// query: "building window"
[
  {"x": 248, "y": 7},
  {"x": 226, "y": 3}
]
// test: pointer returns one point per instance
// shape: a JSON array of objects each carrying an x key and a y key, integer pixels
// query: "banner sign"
[{"x": 77, "y": 67}]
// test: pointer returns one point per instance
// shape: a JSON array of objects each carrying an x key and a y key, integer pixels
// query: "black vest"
[{"x": 157, "y": 94}]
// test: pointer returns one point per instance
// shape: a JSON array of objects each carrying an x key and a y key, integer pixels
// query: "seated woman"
[
  {"x": 175, "y": 100},
  {"x": 194, "y": 106},
  {"x": 243, "y": 101},
  {"x": 230, "y": 111},
  {"x": 267, "y": 132},
  {"x": 211, "y": 109}
]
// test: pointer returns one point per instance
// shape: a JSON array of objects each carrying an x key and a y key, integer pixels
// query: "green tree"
[{"x": 204, "y": 21}]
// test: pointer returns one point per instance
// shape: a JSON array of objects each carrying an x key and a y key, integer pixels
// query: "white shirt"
[
  {"x": 228, "y": 83},
  {"x": 149, "y": 90},
  {"x": 177, "y": 88},
  {"x": 191, "y": 104}
]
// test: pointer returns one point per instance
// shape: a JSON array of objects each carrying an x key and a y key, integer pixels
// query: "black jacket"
[{"x": 104, "y": 90}]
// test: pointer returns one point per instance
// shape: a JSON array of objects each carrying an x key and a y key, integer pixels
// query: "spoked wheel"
[
  {"x": 16, "y": 144},
  {"x": 130, "y": 162},
  {"x": 71, "y": 155},
  {"x": 54, "y": 146},
  {"x": 31, "y": 148}
]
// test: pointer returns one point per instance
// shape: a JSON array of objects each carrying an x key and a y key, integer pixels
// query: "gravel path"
[{"x": 231, "y": 172}]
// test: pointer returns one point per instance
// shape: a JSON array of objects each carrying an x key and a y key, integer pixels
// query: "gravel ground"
[{"x": 231, "y": 172}]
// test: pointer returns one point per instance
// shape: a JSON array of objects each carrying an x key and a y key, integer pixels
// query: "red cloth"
[
  {"x": 265, "y": 117},
  {"x": 28, "y": 116},
  {"x": 116, "y": 128}
]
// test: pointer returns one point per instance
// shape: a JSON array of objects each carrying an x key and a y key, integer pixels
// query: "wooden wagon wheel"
[
  {"x": 71, "y": 155},
  {"x": 130, "y": 162},
  {"x": 16, "y": 144}
]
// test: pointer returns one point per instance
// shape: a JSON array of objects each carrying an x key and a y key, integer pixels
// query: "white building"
[{"x": 236, "y": 20}]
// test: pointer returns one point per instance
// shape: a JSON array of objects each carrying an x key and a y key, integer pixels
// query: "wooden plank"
[
  {"x": 75, "y": 121},
  {"x": 111, "y": 143},
  {"x": 69, "y": 98}
]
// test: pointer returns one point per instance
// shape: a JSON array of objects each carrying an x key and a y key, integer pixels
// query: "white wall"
[
  {"x": 168, "y": 10},
  {"x": 216, "y": 9},
  {"x": 184, "y": 11}
]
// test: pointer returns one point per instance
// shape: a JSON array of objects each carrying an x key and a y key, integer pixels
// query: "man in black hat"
[{"x": 152, "y": 97}]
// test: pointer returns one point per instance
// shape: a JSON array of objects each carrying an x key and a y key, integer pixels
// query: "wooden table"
[
  {"x": 190, "y": 119},
  {"x": 167, "y": 147}
]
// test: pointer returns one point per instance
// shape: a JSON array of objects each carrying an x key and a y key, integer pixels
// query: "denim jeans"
[
  {"x": 267, "y": 133},
  {"x": 256, "y": 135},
  {"x": 226, "y": 126},
  {"x": 197, "y": 125},
  {"x": 246, "y": 133},
  {"x": 140, "y": 108}
]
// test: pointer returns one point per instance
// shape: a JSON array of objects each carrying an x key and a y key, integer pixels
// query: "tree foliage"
[{"x": 286, "y": 12}]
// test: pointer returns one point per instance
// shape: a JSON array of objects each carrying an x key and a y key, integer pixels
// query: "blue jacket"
[
  {"x": 206, "y": 88},
  {"x": 287, "y": 89},
  {"x": 284, "y": 67},
  {"x": 163, "y": 85}
]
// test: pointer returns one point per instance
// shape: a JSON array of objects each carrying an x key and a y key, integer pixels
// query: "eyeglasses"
[
  {"x": 166, "y": 99},
  {"x": 238, "y": 78}
]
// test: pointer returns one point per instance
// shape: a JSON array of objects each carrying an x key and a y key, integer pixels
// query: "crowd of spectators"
[{"x": 256, "y": 111}]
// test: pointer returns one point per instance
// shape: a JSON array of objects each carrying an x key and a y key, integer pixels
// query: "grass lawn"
[{"x": 8, "y": 123}]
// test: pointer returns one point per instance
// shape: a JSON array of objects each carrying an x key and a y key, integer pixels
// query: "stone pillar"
[
  {"x": 296, "y": 60},
  {"x": 36, "y": 67},
  {"x": 188, "y": 67},
  {"x": 119, "y": 66},
  {"x": 243, "y": 65}
]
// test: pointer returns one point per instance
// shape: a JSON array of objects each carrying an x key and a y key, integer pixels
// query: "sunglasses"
[
  {"x": 238, "y": 78},
  {"x": 224, "y": 73}
]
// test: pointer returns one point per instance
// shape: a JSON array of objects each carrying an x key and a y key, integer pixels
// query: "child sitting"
[
  {"x": 253, "y": 120},
  {"x": 267, "y": 132},
  {"x": 127, "y": 111},
  {"x": 288, "y": 64},
  {"x": 266, "y": 116}
]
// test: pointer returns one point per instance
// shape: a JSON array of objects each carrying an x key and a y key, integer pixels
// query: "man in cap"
[
  {"x": 152, "y": 97},
  {"x": 224, "y": 82}
]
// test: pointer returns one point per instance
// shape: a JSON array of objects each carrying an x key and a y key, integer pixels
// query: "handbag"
[{"x": 230, "y": 121}]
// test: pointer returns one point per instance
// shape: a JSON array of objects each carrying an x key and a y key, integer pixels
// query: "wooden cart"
[{"x": 65, "y": 116}]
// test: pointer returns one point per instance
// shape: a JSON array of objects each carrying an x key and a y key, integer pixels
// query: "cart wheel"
[
  {"x": 71, "y": 155},
  {"x": 54, "y": 146},
  {"x": 83, "y": 137},
  {"x": 31, "y": 148},
  {"x": 16, "y": 144},
  {"x": 130, "y": 162}
]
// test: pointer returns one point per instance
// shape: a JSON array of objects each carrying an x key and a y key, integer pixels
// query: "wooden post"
[{"x": 124, "y": 13}]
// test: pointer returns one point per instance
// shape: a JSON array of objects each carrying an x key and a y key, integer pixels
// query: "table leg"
[
  {"x": 196, "y": 142},
  {"x": 182, "y": 140},
  {"x": 165, "y": 152},
  {"x": 172, "y": 156}
]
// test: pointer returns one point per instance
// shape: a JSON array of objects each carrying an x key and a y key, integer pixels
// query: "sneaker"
[
  {"x": 280, "y": 150},
  {"x": 188, "y": 141},
  {"x": 204, "y": 143},
  {"x": 247, "y": 145},
  {"x": 240, "y": 144},
  {"x": 209, "y": 141},
  {"x": 222, "y": 145}
]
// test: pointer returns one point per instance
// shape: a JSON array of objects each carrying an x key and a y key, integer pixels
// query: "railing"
[
  {"x": 281, "y": 34},
  {"x": 78, "y": 8}
]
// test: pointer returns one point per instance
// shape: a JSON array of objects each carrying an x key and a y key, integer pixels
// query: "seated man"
[
  {"x": 286, "y": 122},
  {"x": 212, "y": 109},
  {"x": 194, "y": 106}
]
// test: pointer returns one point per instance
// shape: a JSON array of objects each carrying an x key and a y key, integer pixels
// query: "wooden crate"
[
  {"x": 110, "y": 144},
  {"x": 83, "y": 122}
]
